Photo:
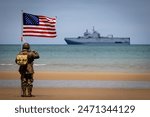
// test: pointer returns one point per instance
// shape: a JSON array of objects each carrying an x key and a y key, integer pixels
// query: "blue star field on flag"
[{"x": 29, "y": 19}]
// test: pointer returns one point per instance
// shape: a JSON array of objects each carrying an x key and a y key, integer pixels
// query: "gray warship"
[{"x": 96, "y": 38}]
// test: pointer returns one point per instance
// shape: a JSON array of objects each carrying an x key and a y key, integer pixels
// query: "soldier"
[{"x": 26, "y": 71}]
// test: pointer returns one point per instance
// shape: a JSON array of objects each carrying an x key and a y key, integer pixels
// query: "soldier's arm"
[{"x": 35, "y": 55}]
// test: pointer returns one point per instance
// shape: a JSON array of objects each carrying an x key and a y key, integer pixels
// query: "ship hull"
[{"x": 98, "y": 41}]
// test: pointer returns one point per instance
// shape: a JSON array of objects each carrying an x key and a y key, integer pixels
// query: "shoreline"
[{"x": 48, "y": 75}]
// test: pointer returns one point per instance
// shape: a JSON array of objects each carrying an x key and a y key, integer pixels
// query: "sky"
[{"x": 122, "y": 18}]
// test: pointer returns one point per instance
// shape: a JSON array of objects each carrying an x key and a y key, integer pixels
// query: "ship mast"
[{"x": 93, "y": 29}]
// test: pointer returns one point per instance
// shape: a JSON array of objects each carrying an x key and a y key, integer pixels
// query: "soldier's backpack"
[{"x": 22, "y": 58}]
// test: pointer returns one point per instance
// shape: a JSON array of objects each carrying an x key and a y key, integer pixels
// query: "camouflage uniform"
[{"x": 27, "y": 71}]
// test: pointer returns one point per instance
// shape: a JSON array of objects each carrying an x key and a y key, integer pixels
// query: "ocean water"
[{"x": 131, "y": 58}]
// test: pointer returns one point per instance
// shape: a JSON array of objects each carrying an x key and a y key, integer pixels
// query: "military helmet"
[{"x": 26, "y": 46}]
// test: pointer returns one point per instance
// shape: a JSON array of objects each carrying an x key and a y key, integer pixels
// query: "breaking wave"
[
  {"x": 3, "y": 64},
  {"x": 39, "y": 64},
  {"x": 6, "y": 64}
]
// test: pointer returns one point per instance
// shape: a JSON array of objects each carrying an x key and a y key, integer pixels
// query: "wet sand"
[
  {"x": 78, "y": 93},
  {"x": 79, "y": 76}
]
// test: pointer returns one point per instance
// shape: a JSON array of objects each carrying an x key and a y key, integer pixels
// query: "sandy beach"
[
  {"x": 4, "y": 75},
  {"x": 78, "y": 93}
]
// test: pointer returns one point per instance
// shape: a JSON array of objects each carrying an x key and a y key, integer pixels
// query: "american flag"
[{"x": 39, "y": 26}]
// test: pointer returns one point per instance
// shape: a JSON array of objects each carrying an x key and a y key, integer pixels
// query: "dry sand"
[{"x": 78, "y": 93}]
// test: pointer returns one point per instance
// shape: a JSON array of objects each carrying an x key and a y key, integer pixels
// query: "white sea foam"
[
  {"x": 39, "y": 64},
  {"x": 6, "y": 64}
]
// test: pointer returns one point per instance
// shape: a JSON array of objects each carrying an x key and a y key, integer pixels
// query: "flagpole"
[
  {"x": 21, "y": 38},
  {"x": 21, "y": 41}
]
